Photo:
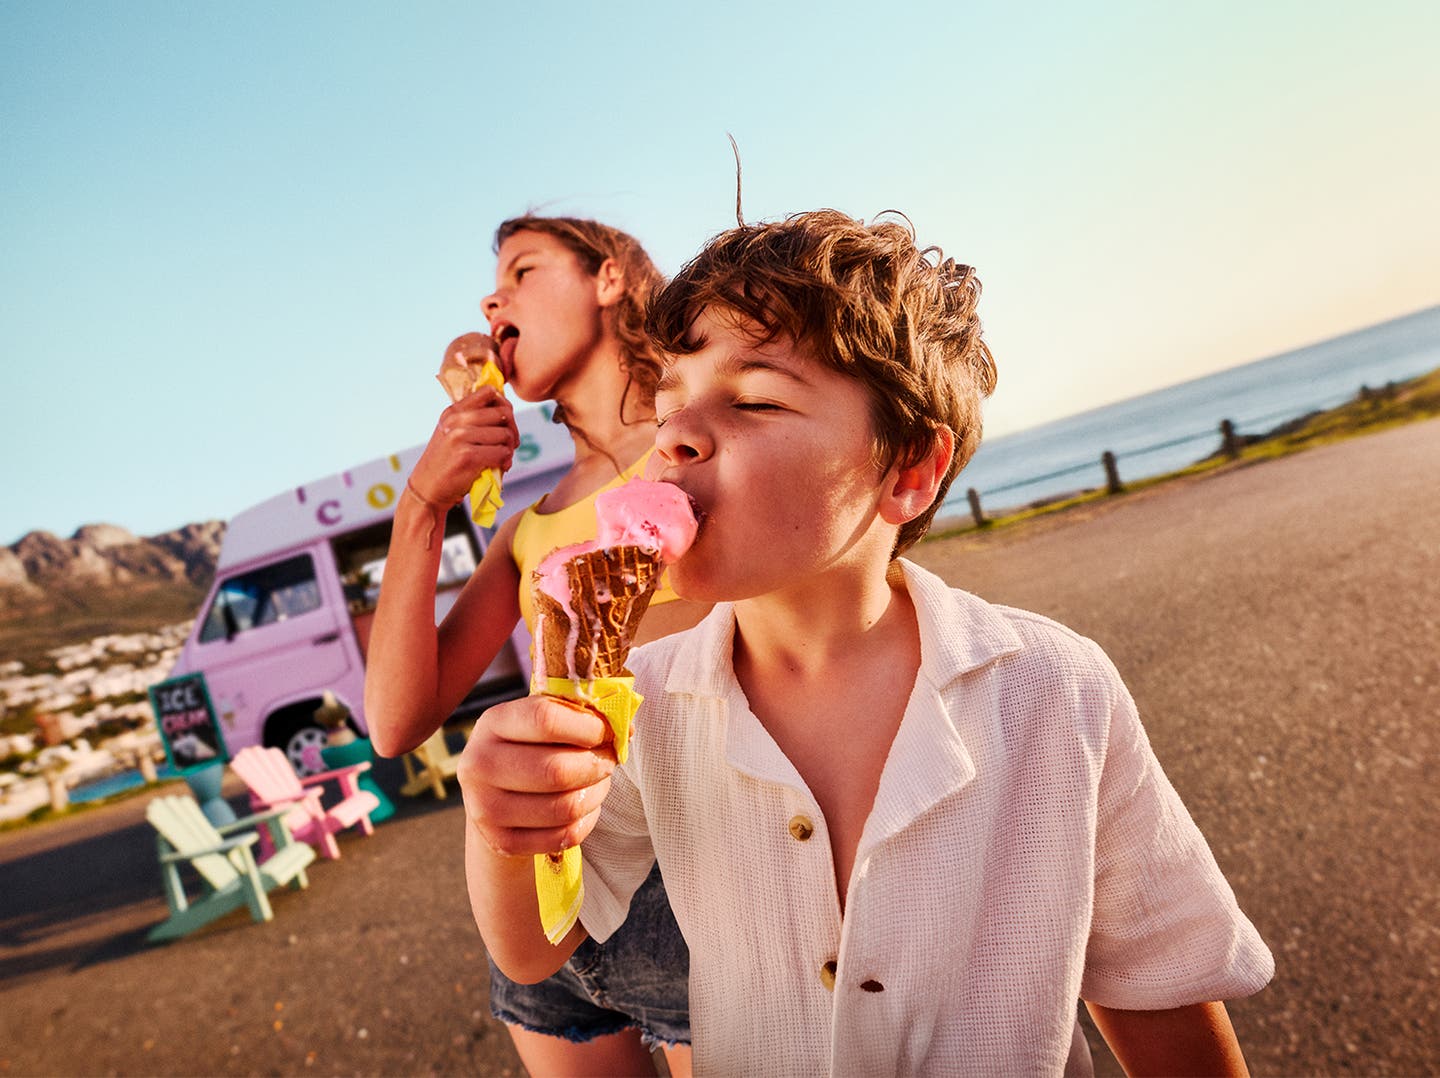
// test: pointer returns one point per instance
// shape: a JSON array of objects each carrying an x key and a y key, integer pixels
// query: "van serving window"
[
  {"x": 360, "y": 556},
  {"x": 269, "y": 594}
]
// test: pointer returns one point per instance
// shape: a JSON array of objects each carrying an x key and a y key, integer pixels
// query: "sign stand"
[{"x": 205, "y": 784}]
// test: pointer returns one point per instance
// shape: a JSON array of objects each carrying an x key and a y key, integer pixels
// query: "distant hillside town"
[
  {"x": 85, "y": 717},
  {"x": 87, "y": 624}
]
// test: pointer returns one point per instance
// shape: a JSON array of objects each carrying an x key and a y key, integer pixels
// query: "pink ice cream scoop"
[
  {"x": 590, "y": 597},
  {"x": 653, "y": 516}
]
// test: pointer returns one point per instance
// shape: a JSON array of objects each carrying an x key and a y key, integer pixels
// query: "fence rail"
[{"x": 1230, "y": 444}]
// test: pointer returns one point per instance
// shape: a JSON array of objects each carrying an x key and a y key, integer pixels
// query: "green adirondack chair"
[{"x": 227, "y": 868}]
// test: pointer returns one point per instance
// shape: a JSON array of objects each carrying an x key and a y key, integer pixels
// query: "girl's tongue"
[{"x": 506, "y": 352}]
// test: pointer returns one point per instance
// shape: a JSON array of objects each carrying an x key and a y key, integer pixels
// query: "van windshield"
[{"x": 269, "y": 594}]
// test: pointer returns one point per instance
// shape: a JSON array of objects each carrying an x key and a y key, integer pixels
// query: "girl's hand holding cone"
[{"x": 475, "y": 437}]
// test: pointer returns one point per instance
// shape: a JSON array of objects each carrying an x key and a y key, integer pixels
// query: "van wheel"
[{"x": 302, "y": 743}]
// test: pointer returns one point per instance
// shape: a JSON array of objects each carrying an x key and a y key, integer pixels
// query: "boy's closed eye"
[{"x": 753, "y": 406}]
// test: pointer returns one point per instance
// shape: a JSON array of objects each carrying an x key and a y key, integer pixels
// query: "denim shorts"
[{"x": 638, "y": 978}]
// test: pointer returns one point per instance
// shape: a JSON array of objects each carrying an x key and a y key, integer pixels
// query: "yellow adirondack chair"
[
  {"x": 429, "y": 764},
  {"x": 273, "y": 783},
  {"x": 230, "y": 876}
]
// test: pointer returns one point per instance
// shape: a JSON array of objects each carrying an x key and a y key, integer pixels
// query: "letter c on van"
[{"x": 328, "y": 512}]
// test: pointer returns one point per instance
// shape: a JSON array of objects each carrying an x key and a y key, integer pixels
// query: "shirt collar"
[
  {"x": 702, "y": 660},
  {"x": 958, "y": 633}
]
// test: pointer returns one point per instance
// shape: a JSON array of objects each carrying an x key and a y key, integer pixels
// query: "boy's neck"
[{"x": 821, "y": 624}]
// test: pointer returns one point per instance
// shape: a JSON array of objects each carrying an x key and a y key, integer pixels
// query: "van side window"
[{"x": 272, "y": 593}]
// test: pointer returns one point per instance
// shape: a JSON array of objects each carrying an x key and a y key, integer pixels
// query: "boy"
[{"x": 902, "y": 829}]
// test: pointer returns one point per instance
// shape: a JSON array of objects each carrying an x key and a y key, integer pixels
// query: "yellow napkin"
[
  {"x": 485, "y": 492},
  {"x": 559, "y": 884}
]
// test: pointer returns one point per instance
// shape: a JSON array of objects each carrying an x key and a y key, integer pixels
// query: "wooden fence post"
[
  {"x": 59, "y": 794},
  {"x": 1112, "y": 473},
  {"x": 975, "y": 510},
  {"x": 1229, "y": 443}
]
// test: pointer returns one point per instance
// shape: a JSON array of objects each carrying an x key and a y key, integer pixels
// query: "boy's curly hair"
[
  {"x": 592, "y": 243},
  {"x": 868, "y": 302}
]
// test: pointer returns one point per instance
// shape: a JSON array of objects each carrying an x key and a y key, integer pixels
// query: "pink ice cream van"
[{"x": 288, "y": 616}]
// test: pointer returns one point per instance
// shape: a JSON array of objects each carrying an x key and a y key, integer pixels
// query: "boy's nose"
[
  {"x": 682, "y": 439},
  {"x": 489, "y": 305}
]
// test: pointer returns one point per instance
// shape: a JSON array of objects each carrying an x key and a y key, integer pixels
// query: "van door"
[{"x": 274, "y": 633}]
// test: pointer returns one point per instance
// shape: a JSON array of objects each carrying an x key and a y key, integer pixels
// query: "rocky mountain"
[{"x": 102, "y": 578}]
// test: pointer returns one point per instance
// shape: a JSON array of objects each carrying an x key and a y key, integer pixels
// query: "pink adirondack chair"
[{"x": 273, "y": 783}]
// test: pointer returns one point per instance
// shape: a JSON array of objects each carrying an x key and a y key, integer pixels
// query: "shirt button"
[
  {"x": 801, "y": 828},
  {"x": 827, "y": 974}
]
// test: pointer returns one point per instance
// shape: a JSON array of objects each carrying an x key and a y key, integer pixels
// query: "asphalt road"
[
  {"x": 376, "y": 968},
  {"x": 1279, "y": 625}
]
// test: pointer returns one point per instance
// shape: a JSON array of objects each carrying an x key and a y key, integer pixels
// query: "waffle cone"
[
  {"x": 553, "y": 634},
  {"x": 610, "y": 590}
]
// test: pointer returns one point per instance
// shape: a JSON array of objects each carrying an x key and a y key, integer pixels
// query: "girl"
[{"x": 567, "y": 319}]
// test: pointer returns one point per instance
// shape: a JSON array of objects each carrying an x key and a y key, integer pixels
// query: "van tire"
[{"x": 293, "y": 737}]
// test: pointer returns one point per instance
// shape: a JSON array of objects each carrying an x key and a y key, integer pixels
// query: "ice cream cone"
[
  {"x": 589, "y": 601},
  {"x": 552, "y": 636},
  {"x": 461, "y": 377},
  {"x": 610, "y": 590}
]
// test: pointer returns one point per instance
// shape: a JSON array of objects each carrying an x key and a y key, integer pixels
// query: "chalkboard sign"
[{"x": 187, "y": 723}]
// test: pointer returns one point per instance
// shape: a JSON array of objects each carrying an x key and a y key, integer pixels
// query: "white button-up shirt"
[{"x": 1024, "y": 850}]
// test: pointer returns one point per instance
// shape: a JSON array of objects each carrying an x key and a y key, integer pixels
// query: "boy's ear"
[
  {"x": 609, "y": 283},
  {"x": 911, "y": 489}
]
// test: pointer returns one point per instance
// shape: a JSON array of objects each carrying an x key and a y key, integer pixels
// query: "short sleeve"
[
  {"x": 1166, "y": 930},
  {"x": 618, "y": 857}
]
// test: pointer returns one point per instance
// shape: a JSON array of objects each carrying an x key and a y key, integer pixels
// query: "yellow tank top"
[{"x": 539, "y": 533}]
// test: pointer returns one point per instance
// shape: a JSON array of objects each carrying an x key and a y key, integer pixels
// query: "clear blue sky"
[{"x": 235, "y": 238}]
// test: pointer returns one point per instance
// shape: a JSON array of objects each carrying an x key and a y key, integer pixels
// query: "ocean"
[
  {"x": 117, "y": 783},
  {"x": 1174, "y": 427}
]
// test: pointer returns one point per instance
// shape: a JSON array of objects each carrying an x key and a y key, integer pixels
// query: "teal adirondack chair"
[{"x": 227, "y": 868}]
